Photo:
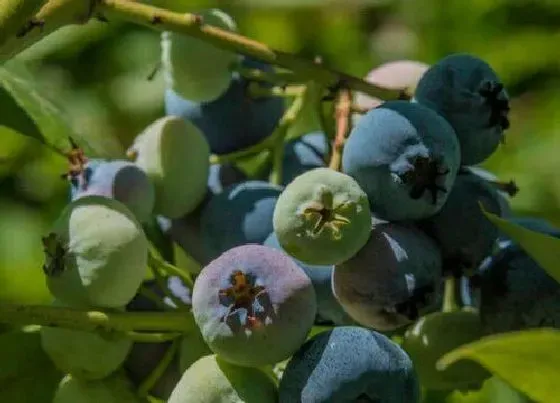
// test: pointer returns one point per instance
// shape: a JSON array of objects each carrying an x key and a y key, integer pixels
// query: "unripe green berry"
[
  {"x": 96, "y": 254},
  {"x": 175, "y": 155}
]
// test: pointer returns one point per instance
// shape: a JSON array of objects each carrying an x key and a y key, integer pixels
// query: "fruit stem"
[
  {"x": 170, "y": 269},
  {"x": 256, "y": 90},
  {"x": 269, "y": 142},
  {"x": 510, "y": 187},
  {"x": 278, "y": 159},
  {"x": 153, "y": 297},
  {"x": 58, "y": 13},
  {"x": 156, "y": 374},
  {"x": 280, "y": 78},
  {"x": 90, "y": 320},
  {"x": 142, "y": 337},
  {"x": 342, "y": 113},
  {"x": 450, "y": 296},
  {"x": 160, "y": 280}
]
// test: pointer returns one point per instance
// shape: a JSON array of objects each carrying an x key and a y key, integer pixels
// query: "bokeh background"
[{"x": 99, "y": 74}]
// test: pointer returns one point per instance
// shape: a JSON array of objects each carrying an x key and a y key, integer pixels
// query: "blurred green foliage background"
[{"x": 99, "y": 73}]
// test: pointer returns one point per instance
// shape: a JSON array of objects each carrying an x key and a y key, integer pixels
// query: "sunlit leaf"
[
  {"x": 527, "y": 360},
  {"x": 30, "y": 110},
  {"x": 545, "y": 249}
]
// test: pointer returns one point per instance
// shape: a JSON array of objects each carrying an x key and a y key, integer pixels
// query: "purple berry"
[{"x": 253, "y": 305}]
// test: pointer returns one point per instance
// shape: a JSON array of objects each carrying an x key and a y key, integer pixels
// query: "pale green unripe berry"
[
  {"x": 322, "y": 217},
  {"x": 115, "y": 389},
  {"x": 86, "y": 355},
  {"x": 196, "y": 69},
  {"x": 212, "y": 380},
  {"x": 176, "y": 157},
  {"x": 96, "y": 254}
]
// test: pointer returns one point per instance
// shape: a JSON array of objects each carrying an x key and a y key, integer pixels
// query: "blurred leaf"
[
  {"x": 527, "y": 360},
  {"x": 45, "y": 120},
  {"x": 545, "y": 249}
]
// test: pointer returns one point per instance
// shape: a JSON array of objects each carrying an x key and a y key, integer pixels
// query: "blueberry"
[
  {"x": 119, "y": 180},
  {"x": 322, "y": 217},
  {"x": 175, "y": 156},
  {"x": 405, "y": 157},
  {"x": 516, "y": 293},
  {"x": 463, "y": 233},
  {"x": 96, "y": 254},
  {"x": 505, "y": 207},
  {"x": 393, "y": 279},
  {"x": 233, "y": 121},
  {"x": 304, "y": 154},
  {"x": 349, "y": 364},
  {"x": 114, "y": 389},
  {"x": 468, "y": 93},
  {"x": 196, "y": 69},
  {"x": 223, "y": 175},
  {"x": 241, "y": 214},
  {"x": 211, "y": 379},
  {"x": 77, "y": 352},
  {"x": 253, "y": 305},
  {"x": 328, "y": 308}
]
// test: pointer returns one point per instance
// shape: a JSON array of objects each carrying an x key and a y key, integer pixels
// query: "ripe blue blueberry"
[
  {"x": 516, "y": 293},
  {"x": 468, "y": 93},
  {"x": 350, "y": 364},
  {"x": 117, "y": 179},
  {"x": 241, "y": 214},
  {"x": 303, "y": 154},
  {"x": 234, "y": 120},
  {"x": 392, "y": 280},
  {"x": 254, "y": 305},
  {"x": 461, "y": 230},
  {"x": 405, "y": 157}
]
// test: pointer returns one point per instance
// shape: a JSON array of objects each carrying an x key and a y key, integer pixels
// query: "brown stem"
[{"x": 343, "y": 111}]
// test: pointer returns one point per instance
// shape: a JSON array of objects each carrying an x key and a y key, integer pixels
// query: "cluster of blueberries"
[{"x": 365, "y": 253}]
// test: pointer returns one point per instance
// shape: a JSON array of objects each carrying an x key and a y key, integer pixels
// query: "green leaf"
[
  {"x": 545, "y": 249},
  {"x": 527, "y": 360},
  {"x": 29, "y": 110}
]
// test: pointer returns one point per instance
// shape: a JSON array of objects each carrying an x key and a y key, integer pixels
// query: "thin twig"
[{"x": 343, "y": 121}]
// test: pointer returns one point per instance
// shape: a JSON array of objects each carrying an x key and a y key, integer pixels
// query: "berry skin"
[
  {"x": 213, "y": 380},
  {"x": 461, "y": 230},
  {"x": 175, "y": 156},
  {"x": 233, "y": 121},
  {"x": 322, "y": 217},
  {"x": 119, "y": 180},
  {"x": 303, "y": 154},
  {"x": 195, "y": 69},
  {"x": 468, "y": 93},
  {"x": 436, "y": 334},
  {"x": 240, "y": 215},
  {"x": 349, "y": 364},
  {"x": 254, "y": 305},
  {"x": 515, "y": 292},
  {"x": 392, "y": 280},
  {"x": 405, "y": 157},
  {"x": 115, "y": 389},
  {"x": 223, "y": 175},
  {"x": 96, "y": 254},
  {"x": 328, "y": 308},
  {"x": 77, "y": 352}
]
